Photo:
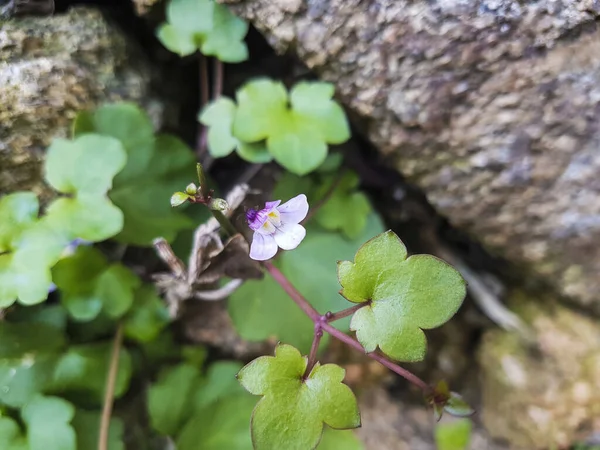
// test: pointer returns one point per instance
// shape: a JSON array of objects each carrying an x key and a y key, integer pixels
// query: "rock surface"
[
  {"x": 546, "y": 396},
  {"x": 490, "y": 106},
  {"x": 391, "y": 424},
  {"x": 50, "y": 69}
]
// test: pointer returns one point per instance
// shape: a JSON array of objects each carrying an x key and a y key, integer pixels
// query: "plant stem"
[
  {"x": 217, "y": 78},
  {"x": 109, "y": 392},
  {"x": 225, "y": 222},
  {"x": 321, "y": 321},
  {"x": 204, "y": 98},
  {"x": 312, "y": 356},
  {"x": 332, "y": 317},
  {"x": 296, "y": 296},
  {"x": 409, "y": 376}
]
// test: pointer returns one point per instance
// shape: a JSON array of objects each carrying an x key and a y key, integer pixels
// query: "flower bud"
[
  {"x": 191, "y": 189},
  {"x": 218, "y": 204}
]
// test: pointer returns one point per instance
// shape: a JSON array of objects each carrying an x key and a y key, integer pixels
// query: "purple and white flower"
[{"x": 277, "y": 226}]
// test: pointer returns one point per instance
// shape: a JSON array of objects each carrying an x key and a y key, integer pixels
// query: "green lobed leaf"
[
  {"x": 11, "y": 437},
  {"x": 222, "y": 426},
  {"x": 312, "y": 102},
  {"x": 261, "y": 104},
  {"x": 26, "y": 360},
  {"x": 85, "y": 166},
  {"x": 256, "y": 152},
  {"x": 156, "y": 167},
  {"x": 148, "y": 316},
  {"x": 261, "y": 309},
  {"x": 87, "y": 429},
  {"x": 82, "y": 370},
  {"x": 48, "y": 424},
  {"x": 18, "y": 211},
  {"x": 25, "y": 273},
  {"x": 220, "y": 382},
  {"x": 453, "y": 435},
  {"x": 192, "y": 16},
  {"x": 406, "y": 295},
  {"x": 25, "y": 281},
  {"x": 127, "y": 123},
  {"x": 170, "y": 399},
  {"x": 292, "y": 411},
  {"x": 89, "y": 285},
  {"x": 176, "y": 40},
  {"x": 225, "y": 40},
  {"x": 86, "y": 217},
  {"x": 296, "y": 135},
  {"x": 218, "y": 115},
  {"x": 340, "y": 439},
  {"x": 145, "y": 199},
  {"x": 346, "y": 209}
]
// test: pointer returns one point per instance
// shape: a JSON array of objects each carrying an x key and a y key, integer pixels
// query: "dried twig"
[{"x": 109, "y": 391}]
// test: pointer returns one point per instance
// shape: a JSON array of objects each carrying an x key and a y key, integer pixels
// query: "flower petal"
[
  {"x": 272, "y": 205},
  {"x": 263, "y": 247},
  {"x": 289, "y": 235},
  {"x": 294, "y": 210}
]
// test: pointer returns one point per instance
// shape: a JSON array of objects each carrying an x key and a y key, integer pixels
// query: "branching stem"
[
  {"x": 312, "y": 356},
  {"x": 322, "y": 321},
  {"x": 332, "y": 317}
]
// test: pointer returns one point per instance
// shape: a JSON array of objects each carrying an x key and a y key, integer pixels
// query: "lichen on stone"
[{"x": 52, "y": 68}]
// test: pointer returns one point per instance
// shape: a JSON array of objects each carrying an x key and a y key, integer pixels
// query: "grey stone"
[
  {"x": 492, "y": 107},
  {"x": 51, "y": 68}
]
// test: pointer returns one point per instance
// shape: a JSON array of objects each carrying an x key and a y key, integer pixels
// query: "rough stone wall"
[
  {"x": 51, "y": 68},
  {"x": 492, "y": 107}
]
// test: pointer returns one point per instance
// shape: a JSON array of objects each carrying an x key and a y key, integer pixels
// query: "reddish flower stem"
[
  {"x": 348, "y": 340},
  {"x": 321, "y": 324},
  {"x": 312, "y": 356},
  {"x": 296, "y": 296}
]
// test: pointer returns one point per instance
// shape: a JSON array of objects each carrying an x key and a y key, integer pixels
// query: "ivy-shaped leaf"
[
  {"x": 28, "y": 247},
  {"x": 11, "y": 437},
  {"x": 48, "y": 424},
  {"x": 261, "y": 309},
  {"x": 82, "y": 370},
  {"x": 170, "y": 399},
  {"x": 127, "y": 123},
  {"x": 406, "y": 295},
  {"x": 156, "y": 167},
  {"x": 89, "y": 285},
  {"x": 145, "y": 199},
  {"x": 26, "y": 360},
  {"x": 225, "y": 40},
  {"x": 204, "y": 25},
  {"x": 84, "y": 169},
  {"x": 222, "y": 426},
  {"x": 220, "y": 382},
  {"x": 292, "y": 410},
  {"x": 84, "y": 166},
  {"x": 147, "y": 317},
  {"x": 340, "y": 439},
  {"x": 18, "y": 211},
  {"x": 346, "y": 209},
  {"x": 218, "y": 116},
  {"x": 297, "y": 128}
]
